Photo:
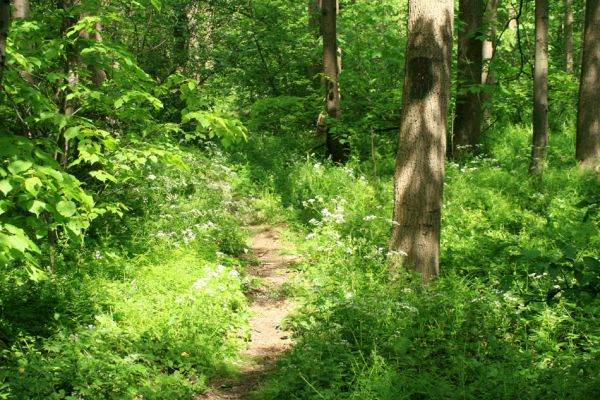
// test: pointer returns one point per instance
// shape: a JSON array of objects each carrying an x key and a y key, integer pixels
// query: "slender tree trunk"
[
  {"x": 568, "y": 34},
  {"x": 540, "y": 89},
  {"x": 467, "y": 119},
  {"x": 314, "y": 28},
  {"x": 22, "y": 12},
  {"x": 98, "y": 75},
  {"x": 331, "y": 65},
  {"x": 4, "y": 25},
  {"x": 419, "y": 177},
  {"x": 488, "y": 78},
  {"x": 70, "y": 67},
  {"x": 588, "y": 115}
]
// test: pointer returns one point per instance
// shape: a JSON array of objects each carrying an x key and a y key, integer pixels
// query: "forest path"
[{"x": 269, "y": 306}]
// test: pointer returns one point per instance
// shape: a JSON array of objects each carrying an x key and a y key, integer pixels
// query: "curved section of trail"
[{"x": 269, "y": 306}]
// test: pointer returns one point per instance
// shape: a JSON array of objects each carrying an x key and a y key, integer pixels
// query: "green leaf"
[
  {"x": 37, "y": 207},
  {"x": 16, "y": 167},
  {"x": 592, "y": 263},
  {"x": 103, "y": 176},
  {"x": 72, "y": 132},
  {"x": 66, "y": 208},
  {"x": 156, "y": 4},
  {"x": 4, "y": 206},
  {"x": 5, "y": 186},
  {"x": 33, "y": 185}
]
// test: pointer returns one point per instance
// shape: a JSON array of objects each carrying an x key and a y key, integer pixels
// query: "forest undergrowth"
[
  {"x": 156, "y": 305},
  {"x": 510, "y": 317}
]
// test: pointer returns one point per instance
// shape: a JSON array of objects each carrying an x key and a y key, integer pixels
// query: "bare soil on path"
[{"x": 269, "y": 306}]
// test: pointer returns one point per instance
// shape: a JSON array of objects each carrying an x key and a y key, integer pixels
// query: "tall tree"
[
  {"x": 419, "y": 176},
  {"x": 21, "y": 9},
  {"x": 539, "y": 147},
  {"x": 314, "y": 28},
  {"x": 568, "y": 34},
  {"x": 331, "y": 70},
  {"x": 4, "y": 24},
  {"x": 467, "y": 121},
  {"x": 488, "y": 51},
  {"x": 588, "y": 115}
]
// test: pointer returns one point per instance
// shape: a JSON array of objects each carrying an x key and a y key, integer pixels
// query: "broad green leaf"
[
  {"x": 66, "y": 208},
  {"x": 33, "y": 185},
  {"x": 592, "y": 263},
  {"x": 5, "y": 186},
  {"x": 4, "y": 206},
  {"x": 36, "y": 274},
  {"x": 87, "y": 200},
  {"x": 103, "y": 176},
  {"x": 16, "y": 167},
  {"x": 37, "y": 207},
  {"x": 72, "y": 132}
]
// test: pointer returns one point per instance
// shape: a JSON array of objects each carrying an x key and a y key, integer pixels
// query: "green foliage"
[
  {"x": 502, "y": 322},
  {"x": 158, "y": 307}
]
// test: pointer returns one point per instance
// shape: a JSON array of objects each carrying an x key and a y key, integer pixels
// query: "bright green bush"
[
  {"x": 513, "y": 315},
  {"x": 154, "y": 308}
]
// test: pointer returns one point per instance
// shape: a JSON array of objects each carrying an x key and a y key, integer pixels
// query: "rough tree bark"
[
  {"x": 4, "y": 25},
  {"x": 588, "y": 115},
  {"x": 488, "y": 78},
  {"x": 331, "y": 70},
  {"x": 419, "y": 176},
  {"x": 568, "y": 33},
  {"x": 467, "y": 121},
  {"x": 21, "y": 9},
  {"x": 539, "y": 147}
]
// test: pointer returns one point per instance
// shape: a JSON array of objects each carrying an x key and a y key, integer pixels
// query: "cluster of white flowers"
[
  {"x": 336, "y": 217},
  {"x": 535, "y": 275},
  {"x": 217, "y": 276},
  {"x": 188, "y": 235},
  {"x": 316, "y": 199},
  {"x": 392, "y": 253},
  {"x": 408, "y": 308}
]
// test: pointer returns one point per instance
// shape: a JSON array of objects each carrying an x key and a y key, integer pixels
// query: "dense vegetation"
[{"x": 138, "y": 140}]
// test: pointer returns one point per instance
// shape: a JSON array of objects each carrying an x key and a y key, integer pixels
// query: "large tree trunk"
[
  {"x": 21, "y": 9},
  {"x": 540, "y": 89},
  {"x": 467, "y": 121},
  {"x": 419, "y": 177},
  {"x": 568, "y": 33},
  {"x": 331, "y": 69},
  {"x": 588, "y": 115},
  {"x": 4, "y": 24},
  {"x": 488, "y": 78}
]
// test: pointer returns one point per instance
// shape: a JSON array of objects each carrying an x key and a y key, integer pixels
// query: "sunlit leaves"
[{"x": 209, "y": 125}]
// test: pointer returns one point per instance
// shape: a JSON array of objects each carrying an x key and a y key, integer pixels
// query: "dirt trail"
[{"x": 269, "y": 307}]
